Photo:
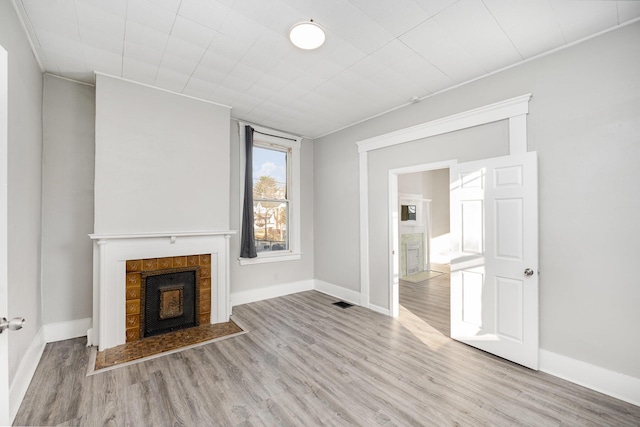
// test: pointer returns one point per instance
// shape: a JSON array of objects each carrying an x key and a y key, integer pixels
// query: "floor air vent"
[{"x": 343, "y": 304}]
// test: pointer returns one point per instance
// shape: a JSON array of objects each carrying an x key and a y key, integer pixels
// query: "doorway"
[
  {"x": 424, "y": 292},
  {"x": 423, "y": 189}
]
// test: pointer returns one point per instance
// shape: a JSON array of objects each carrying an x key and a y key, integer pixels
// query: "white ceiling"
[{"x": 378, "y": 54}]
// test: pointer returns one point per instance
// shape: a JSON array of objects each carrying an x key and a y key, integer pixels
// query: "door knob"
[
  {"x": 13, "y": 324},
  {"x": 528, "y": 272}
]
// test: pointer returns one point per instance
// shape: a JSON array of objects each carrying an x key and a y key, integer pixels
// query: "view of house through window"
[{"x": 270, "y": 198}]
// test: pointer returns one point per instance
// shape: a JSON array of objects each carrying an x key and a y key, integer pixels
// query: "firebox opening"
[{"x": 170, "y": 300}]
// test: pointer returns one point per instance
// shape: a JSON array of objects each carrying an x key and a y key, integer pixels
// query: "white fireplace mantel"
[{"x": 110, "y": 253}]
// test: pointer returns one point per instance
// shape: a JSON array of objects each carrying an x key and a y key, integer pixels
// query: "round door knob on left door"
[
  {"x": 13, "y": 324},
  {"x": 528, "y": 272}
]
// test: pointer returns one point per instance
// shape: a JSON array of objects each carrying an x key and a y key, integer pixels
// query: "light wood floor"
[{"x": 306, "y": 362}]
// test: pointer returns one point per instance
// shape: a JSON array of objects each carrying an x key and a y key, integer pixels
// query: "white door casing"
[
  {"x": 4, "y": 292},
  {"x": 494, "y": 233}
]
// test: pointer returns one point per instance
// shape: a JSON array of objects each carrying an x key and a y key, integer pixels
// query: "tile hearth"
[{"x": 171, "y": 341}]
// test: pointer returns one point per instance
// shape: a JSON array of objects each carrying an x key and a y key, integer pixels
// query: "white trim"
[
  {"x": 70, "y": 80},
  {"x": 518, "y": 134},
  {"x": 336, "y": 291},
  {"x": 271, "y": 257},
  {"x": 27, "y": 33},
  {"x": 24, "y": 375},
  {"x": 394, "y": 254},
  {"x": 173, "y": 235},
  {"x": 206, "y": 101},
  {"x": 4, "y": 221},
  {"x": 364, "y": 230},
  {"x": 380, "y": 310},
  {"x": 268, "y": 292},
  {"x": 66, "y": 330},
  {"x": 478, "y": 116},
  {"x": 614, "y": 384}
]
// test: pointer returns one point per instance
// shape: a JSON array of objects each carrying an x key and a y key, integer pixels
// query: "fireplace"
[
  {"x": 166, "y": 294},
  {"x": 120, "y": 261},
  {"x": 170, "y": 300}
]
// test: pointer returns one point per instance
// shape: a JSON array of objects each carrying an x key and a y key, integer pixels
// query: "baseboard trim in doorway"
[
  {"x": 24, "y": 375},
  {"x": 614, "y": 384}
]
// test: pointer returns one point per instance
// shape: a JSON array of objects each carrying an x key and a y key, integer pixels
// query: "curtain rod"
[
  {"x": 275, "y": 136},
  {"x": 290, "y": 137}
]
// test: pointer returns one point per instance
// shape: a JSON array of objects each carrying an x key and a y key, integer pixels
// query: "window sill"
[{"x": 264, "y": 259}]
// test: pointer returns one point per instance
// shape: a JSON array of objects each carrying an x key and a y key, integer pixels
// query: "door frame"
[
  {"x": 394, "y": 226},
  {"x": 5, "y": 415},
  {"x": 514, "y": 110}
]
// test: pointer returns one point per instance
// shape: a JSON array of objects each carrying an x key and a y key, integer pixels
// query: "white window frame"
[{"x": 292, "y": 143}]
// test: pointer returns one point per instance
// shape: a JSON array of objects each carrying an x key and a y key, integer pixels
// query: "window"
[
  {"x": 276, "y": 195},
  {"x": 270, "y": 197}
]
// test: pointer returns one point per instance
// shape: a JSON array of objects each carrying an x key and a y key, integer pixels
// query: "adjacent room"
[{"x": 341, "y": 212}]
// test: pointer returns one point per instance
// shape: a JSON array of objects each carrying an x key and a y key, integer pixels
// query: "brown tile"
[
  {"x": 205, "y": 283},
  {"x": 205, "y": 306},
  {"x": 205, "y": 318},
  {"x": 165, "y": 263},
  {"x": 133, "y": 334},
  {"x": 133, "y": 292},
  {"x": 134, "y": 265},
  {"x": 133, "y": 307},
  {"x": 134, "y": 279},
  {"x": 205, "y": 294},
  {"x": 193, "y": 260},
  {"x": 205, "y": 271},
  {"x": 150, "y": 264},
  {"x": 133, "y": 321},
  {"x": 205, "y": 259},
  {"x": 179, "y": 261}
]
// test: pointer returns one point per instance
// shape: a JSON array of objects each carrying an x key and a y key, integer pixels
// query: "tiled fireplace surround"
[
  {"x": 118, "y": 260},
  {"x": 135, "y": 282}
]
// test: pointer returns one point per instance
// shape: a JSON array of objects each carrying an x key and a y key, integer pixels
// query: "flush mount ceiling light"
[{"x": 307, "y": 35}]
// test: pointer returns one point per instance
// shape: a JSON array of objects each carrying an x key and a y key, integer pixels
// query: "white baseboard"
[
  {"x": 344, "y": 294},
  {"x": 614, "y": 384},
  {"x": 380, "y": 310},
  {"x": 26, "y": 369},
  {"x": 245, "y": 297},
  {"x": 66, "y": 330}
]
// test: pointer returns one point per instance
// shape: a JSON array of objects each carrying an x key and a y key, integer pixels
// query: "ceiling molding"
[{"x": 162, "y": 90}]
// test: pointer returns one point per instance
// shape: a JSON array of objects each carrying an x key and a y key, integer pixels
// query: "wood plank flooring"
[{"x": 306, "y": 362}]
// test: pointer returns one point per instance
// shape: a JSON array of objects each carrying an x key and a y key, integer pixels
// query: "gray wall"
[
  {"x": 435, "y": 186},
  {"x": 162, "y": 161},
  {"x": 67, "y": 199},
  {"x": 336, "y": 234},
  {"x": 410, "y": 183},
  {"x": 432, "y": 185},
  {"x": 256, "y": 276},
  {"x": 583, "y": 122},
  {"x": 24, "y": 184}
]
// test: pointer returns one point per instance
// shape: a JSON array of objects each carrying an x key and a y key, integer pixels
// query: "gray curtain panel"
[{"x": 248, "y": 244}]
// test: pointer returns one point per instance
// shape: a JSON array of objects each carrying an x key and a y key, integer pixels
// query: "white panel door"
[
  {"x": 494, "y": 266},
  {"x": 4, "y": 305}
]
